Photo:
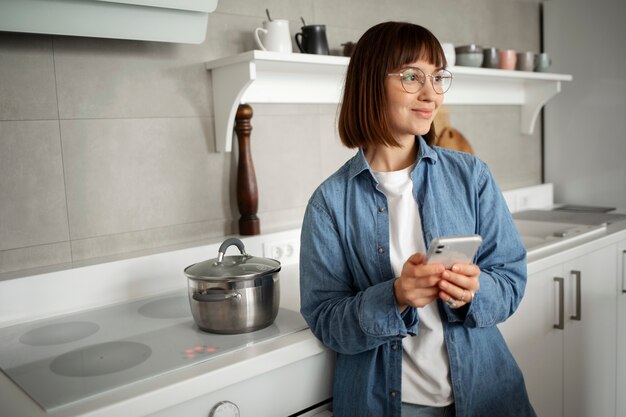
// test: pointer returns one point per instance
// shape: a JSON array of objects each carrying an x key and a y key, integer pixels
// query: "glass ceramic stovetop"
[{"x": 67, "y": 359}]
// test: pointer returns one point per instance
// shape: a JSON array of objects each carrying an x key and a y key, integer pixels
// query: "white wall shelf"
[{"x": 271, "y": 77}]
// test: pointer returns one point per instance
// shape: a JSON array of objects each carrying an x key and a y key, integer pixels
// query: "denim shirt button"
[
  {"x": 394, "y": 347},
  {"x": 393, "y": 394},
  {"x": 381, "y": 250},
  {"x": 381, "y": 209}
]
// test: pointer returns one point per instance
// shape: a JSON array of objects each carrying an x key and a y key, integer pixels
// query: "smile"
[{"x": 426, "y": 114}]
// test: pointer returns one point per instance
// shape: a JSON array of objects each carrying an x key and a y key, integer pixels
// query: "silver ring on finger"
[{"x": 451, "y": 302}]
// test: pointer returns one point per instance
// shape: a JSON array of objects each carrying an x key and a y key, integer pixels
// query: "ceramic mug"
[
  {"x": 449, "y": 52},
  {"x": 276, "y": 36},
  {"x": 542, "y": 62},
  {"x": 491, "y": 58},
  {"x": 312, "y": 40},
  {"x": 525, "y": 61},
  {"x": 507, "y": 59}
]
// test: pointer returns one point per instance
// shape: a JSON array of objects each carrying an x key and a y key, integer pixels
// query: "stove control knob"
[{"x": 224, "y": 409}]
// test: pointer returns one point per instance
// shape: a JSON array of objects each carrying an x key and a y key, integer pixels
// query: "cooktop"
[{"x": 69, "y": 358}]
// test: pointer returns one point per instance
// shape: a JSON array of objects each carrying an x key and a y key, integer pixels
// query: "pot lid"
[{"x": 238, "y": 267}]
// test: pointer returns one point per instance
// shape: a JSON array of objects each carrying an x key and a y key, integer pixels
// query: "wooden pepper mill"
[{"x": 247, "y": 192}]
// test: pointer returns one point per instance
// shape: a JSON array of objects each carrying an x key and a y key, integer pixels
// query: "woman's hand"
[
  {"x": 417, "y": 285},
  {"x": 459, "y": 284}
]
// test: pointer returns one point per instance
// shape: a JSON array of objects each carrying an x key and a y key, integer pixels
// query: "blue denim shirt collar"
[{"x": 360, "y": 164}]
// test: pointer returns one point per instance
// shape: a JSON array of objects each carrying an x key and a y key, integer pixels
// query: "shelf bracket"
[
  {"x": 229, "y": 85},
  {"x": 537, "y": 95}
]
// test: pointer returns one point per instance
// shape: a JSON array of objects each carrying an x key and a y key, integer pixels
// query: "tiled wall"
[{"x": 107, "y": 146}]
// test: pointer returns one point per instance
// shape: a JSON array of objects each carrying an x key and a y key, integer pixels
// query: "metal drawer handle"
[
  {"x": 578, "y": 315},
  {"x": 561, "y": 323}
]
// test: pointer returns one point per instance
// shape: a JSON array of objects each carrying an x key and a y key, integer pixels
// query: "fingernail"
[{"x": 455, "y": 268}]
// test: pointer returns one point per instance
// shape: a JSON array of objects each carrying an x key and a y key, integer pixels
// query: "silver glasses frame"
[{"x": 431, "y": 76}]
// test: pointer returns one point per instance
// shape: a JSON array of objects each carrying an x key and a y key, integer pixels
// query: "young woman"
[{"x": 412, "y": 339}]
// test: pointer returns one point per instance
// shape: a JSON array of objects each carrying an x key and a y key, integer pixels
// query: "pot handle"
[
  {"x": 216, "y": 297},
  {"x": 227, "y": 243}
]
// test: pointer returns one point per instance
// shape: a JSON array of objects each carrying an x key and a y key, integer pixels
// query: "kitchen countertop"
[
  {"x": 168, "y": 390},
  {"x": 156, "y": 393},
  {"x": 542, "y": 258}
]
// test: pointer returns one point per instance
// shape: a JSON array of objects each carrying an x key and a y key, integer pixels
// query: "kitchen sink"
[
  {"x": 543, "y": 235},
  {"x": 572, "y": 217}
]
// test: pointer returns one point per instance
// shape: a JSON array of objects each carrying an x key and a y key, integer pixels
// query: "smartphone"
[{"x": 450, "y": 250}]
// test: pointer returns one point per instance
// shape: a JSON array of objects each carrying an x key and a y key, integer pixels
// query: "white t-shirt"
[{"x": 425, "y": 366}]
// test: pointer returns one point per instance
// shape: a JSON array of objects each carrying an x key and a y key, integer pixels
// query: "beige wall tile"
[
  {"x": 148, "y": 240},
  {"x": 107, "y": 78},
  {"x": 32, "y": 258},
  {"x": 32, "y": 209},
  {"x": 27, "y": 89},
  {"x": 133, "y": 174}
]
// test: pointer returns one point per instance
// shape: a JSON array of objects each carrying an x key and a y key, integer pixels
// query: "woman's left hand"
[{"x": 459, "y": 284}]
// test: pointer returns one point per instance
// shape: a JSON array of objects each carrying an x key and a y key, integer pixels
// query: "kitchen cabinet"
[
  {"x": 272, "y": 77},
  {"x": 183, "y": 21},
  {"x": 590, "y": 344},
  {"x": 535, "y": 342},
  {"x": 621, "y": 329},
  {"x": 563, "y": 336}
]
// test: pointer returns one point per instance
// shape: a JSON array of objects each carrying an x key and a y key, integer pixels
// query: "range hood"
[{"x": 181, "y": 21}]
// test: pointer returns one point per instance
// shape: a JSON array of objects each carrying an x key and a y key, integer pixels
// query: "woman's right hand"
[{"x": 417, "y": 284}]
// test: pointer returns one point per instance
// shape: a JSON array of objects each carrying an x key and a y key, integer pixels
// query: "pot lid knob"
[{"x": 233, "y": 241}]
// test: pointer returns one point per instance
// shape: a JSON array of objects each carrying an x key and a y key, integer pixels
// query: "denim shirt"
[{"x": 346, "y": 285}]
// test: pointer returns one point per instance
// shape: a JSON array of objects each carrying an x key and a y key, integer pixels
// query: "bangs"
[{"x": 415, "y": 43}]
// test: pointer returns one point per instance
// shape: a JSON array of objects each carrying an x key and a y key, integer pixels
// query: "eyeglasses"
[{"x": 413, "y": 79}]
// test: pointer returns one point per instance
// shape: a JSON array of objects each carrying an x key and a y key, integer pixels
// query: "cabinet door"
[
  {"x": 621, "y": 330},
  {"x": 535, "y": 342},
  {"x": 590, "y": 341}
]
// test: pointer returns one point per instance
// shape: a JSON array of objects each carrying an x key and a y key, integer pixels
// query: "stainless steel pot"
[{"x": 234, "y": 294}]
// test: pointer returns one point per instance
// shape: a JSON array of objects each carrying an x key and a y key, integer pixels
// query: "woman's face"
[{"x": 411, "y": 114}]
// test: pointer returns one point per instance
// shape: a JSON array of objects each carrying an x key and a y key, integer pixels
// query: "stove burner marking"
[
  {"x": 101, "y": 359},
  {"x": 56, "y": 334}
]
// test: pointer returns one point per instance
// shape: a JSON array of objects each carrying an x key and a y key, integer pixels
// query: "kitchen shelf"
[{"x": 272, "y": 77}]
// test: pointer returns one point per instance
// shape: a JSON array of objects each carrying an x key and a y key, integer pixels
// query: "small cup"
[
  {"x": 312, "y": 40},
  {"x": 542, "y": 62},
  {"x": 491, "y": 58},
  {"x": 276, "y": 36},
  {"x": 507, "y": 59},
  {"x": 450, "y": 54},
  {"x": 525, "y": 61}
]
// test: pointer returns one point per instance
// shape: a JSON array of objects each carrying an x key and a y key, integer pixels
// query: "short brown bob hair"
[{"x": 384, "y": 47}]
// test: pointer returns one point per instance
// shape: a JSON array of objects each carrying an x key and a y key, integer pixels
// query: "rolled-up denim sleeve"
[
  {"x": 501, "y": 258},
  {"x": 344, "y": 318}
]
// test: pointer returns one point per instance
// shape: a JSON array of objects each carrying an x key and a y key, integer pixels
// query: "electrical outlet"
[{"x": 285, "y": 251}]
